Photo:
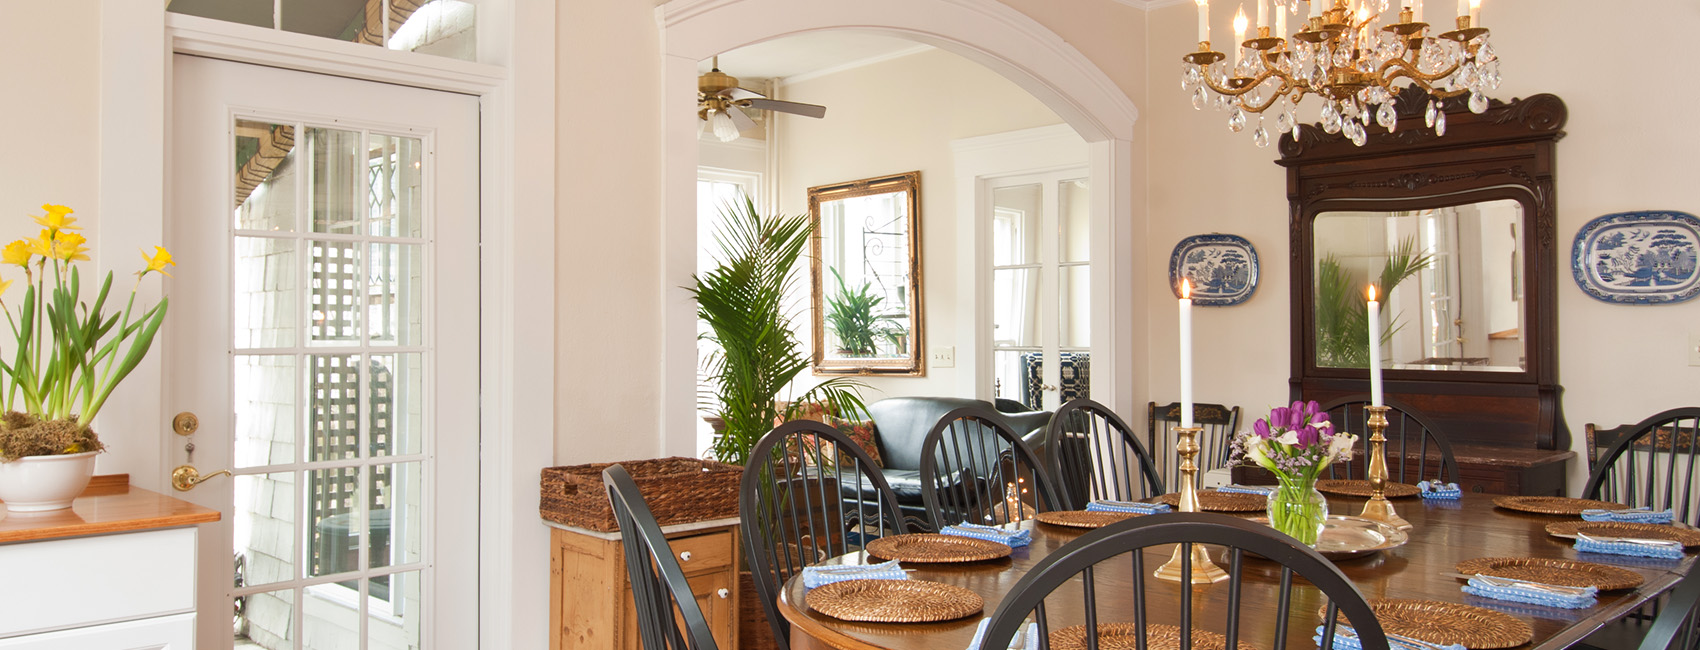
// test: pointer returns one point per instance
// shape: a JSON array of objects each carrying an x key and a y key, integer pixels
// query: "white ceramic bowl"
[{"x": 37, "y": 483}]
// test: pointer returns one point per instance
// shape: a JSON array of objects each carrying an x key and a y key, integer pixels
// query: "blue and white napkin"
[
  {"x": 1134, "y": 507},
  {"x": 1534, "y": 593},
  {"x": 1631, "y": 515},
  {"x": 1021, "y": 537},
  {"x": 815, "y": 576},
  {"x": 1264, "y": 490},
  {"x": 1439, "y": 490},
  {"x": 1640, "y": 547},
  {"x": 1027, "y": 638},
  {"x": 1345, "y": 638}
]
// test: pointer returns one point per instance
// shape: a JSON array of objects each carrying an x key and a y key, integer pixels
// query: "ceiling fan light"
[{"x": 723, "y": 127}]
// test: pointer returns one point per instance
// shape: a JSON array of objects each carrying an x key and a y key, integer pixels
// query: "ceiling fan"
[{"x": 720, "y": 104}]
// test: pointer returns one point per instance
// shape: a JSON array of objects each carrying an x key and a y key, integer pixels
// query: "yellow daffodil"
[
  {"x": 68, "y": 246},
  {"x": 4, "y": 285},
  {"x": 57, "y": 218},
  {"x": 17, "y": 252},
  {"x": 160, "y": 259},
  {"x": 42, "y": 246}
]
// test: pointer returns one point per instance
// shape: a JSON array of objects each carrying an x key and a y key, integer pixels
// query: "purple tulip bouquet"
[{"x": 1294, "y": 443}]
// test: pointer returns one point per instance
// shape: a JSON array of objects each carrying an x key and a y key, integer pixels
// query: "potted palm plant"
[
  {"x": 851, "y": 315},
  {"x": 744, "y": 301},
  {"x": 69, "y": 356},
  {"x": 1342, "y": 316}
]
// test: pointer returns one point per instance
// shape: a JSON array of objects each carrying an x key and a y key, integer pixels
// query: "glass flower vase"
[{"x": 1297, "y": 509}]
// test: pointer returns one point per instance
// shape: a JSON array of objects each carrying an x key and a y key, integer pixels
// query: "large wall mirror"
[
  {"x": 865, "y": 275},
  {"x": 1451, "y": 286},
  {"x": 1462, "y": 227}
]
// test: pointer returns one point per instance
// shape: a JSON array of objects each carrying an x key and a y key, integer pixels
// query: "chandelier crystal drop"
[{"x": 1344, "y": 55}]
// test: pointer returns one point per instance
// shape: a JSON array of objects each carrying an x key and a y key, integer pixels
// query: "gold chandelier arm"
[
  {"x": 1287, "y": 85},
  {"x": 1396, "y": 68},
  {"x": 1255, "y": 81}
]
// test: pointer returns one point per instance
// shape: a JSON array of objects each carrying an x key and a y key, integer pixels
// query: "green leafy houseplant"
[
  {"x": 743, "y": 301},
  {"x": 851, "y": 315},
  {"x": 69, "y": 354},
  {"x": 1342, "y": 315}
]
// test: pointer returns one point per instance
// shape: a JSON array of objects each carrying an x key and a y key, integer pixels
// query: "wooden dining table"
[{"x": 1444, "y": 533}]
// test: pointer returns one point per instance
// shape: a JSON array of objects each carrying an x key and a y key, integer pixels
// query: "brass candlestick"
[
  {"x": 1204, "y": 571},
  {"x": 1379, "y": 508}
]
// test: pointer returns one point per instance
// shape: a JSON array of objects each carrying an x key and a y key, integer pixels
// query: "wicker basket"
[{"x": 678, "y": 490}]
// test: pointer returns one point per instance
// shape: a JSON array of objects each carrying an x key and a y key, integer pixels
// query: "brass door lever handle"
[{"x": 186, "y": 477}]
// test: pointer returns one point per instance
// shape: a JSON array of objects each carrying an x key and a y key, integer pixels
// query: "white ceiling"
[{"x": 808, "y": 53}]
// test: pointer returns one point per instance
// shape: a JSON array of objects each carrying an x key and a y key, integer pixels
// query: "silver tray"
[{"x": 1344, "y": 537}]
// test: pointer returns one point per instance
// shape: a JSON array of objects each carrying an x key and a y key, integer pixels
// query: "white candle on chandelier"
[
  {"x": 1418, "y": 16},
  {"x": 1463, "y": 7},
  {"x": 1280, "y": 22},
  {"x": 1407, "y": 4},
  {"x": 1262, "y": 13},
  {"x": 1374, "y": 348},
  {"x": 1316, "y": 7},
  {"x": 1475, "y": 13},
  {"x": 1186, "y": 352},
  {"x": 1239, "y": 34},
  {"x": 1203, "y": 20}
]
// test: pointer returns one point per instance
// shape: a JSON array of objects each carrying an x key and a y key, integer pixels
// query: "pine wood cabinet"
[{"x": 590, "y": 598}]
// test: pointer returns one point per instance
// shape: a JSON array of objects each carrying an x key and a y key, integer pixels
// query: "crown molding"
[{"x": 1150, "y": 4}]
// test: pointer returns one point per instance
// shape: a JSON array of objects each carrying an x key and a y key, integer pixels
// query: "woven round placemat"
[
  {"x": 1688, "y": 536},
  {"x": 894, "y": 601},
  {"x": 1446, "y": 623},
  {"x": 1082, "y": 518},
  {"x": 1125, "y": 636},
  {"x": 1360, "y": 488},
  {"x": 1553, "y": 505},
  {"x": 1221, "y": 501},
  {"x": 934, "y": 547},
  {"x": 1553, "y": 571}
]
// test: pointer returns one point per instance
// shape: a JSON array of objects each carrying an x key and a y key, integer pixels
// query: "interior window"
[{"x": 437, "y": 27}]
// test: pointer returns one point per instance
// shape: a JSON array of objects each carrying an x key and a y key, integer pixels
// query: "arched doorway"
[{"x": 984, "y": 31}]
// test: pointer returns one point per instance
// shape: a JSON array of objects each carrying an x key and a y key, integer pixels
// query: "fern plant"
[
  {"x": 1342, "y": 316},
  {"x": 851, "y": 316},
  {"x": 743, "y": 301}
]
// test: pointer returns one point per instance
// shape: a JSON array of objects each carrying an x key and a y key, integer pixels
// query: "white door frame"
[
  {"x": 984, "y": 31},
  {"x": 517, "y": 234}
]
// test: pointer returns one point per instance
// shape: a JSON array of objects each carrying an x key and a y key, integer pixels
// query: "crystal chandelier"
[{"x": 1341, "y": 54}]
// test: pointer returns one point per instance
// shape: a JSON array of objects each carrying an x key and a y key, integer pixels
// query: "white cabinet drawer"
[
  {"x": 163, "y": 633},
  {"x": 56, "y": 584}
]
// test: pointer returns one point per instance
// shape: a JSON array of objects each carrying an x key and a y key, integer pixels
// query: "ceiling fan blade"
[
  {"x": 742, "y": 93},
  {"x": 739, "y": 119},
  {"x": 794, "y": 108}
]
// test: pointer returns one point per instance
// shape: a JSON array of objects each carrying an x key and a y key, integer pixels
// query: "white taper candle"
[
  {"x": 1316, "y": 7},
  {"x": 1186, "y": 353},
  {"x": 1374, "y": 348},
  {"x": 1203, "y": 20}
]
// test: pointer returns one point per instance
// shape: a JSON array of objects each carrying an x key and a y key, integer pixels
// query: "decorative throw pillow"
[{"x": 861, "y": 432}]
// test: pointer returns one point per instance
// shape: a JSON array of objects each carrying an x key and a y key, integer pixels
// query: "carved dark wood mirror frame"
[{"x": 1504, "y": 153}]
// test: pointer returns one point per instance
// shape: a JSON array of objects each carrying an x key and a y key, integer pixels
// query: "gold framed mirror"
[{"x": 865, "y": 277}]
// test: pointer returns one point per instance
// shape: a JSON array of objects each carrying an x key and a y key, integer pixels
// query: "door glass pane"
[
  {"x": 1074, "y": 298},
  {"x": 440, "y": 27},
  {"x": 266, "y": 275},
  {"x": 1015, "y": 307},
  {"x": 1011, "y": 371},
  {"x": 395, "y": 290},
  {"x": 359, "y": 21},
  {"x": 266, "y": 620},
  {"x": 335, "y": 401},
  {"x": 1016, "y": 213},
  {"x": 335, "y": 301},
  {"x": 397, "y": 520},
  {"x": 266, "y": 407},
  {"x": 395, "y": 168},
  {"x": 331, "y": 617},
  {"x": 397, "y": 403},
  {"x": 264, "y": 528},
  {"x": 396, "y": 606},
  {"x": 332, "y": 510},
  {"x": 336, "y": 179},
  {"x": 266, "y": 176},
  {"x": 248, "y": 12},
  {"x": 1074, "y": 240}
]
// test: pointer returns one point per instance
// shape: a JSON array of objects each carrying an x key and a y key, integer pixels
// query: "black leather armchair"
[{"x": 903, "y": 423}]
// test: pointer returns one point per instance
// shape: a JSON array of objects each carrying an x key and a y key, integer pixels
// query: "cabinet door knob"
[
  {"x": 724, "y": 594},
  {"x": 686, "y": 556}
]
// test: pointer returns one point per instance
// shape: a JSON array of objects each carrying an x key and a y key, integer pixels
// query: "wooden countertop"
[{"x": 109, "y": 505}]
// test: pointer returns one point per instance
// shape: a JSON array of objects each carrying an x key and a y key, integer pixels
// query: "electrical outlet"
[
  {"x": 1694, "y": 348},
  {"x": 944, "y": 357}
]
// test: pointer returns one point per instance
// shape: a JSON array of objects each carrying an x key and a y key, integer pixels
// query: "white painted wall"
[
  {"x": 50, "y": 125},
  {"x": 897, "y": 116},
  {"x": 1629, "y": 147}
]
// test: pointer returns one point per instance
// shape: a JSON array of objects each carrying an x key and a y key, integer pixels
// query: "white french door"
[
  {"x": 1040, "y": 229},
  {"x": 323, "y": 329}
]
